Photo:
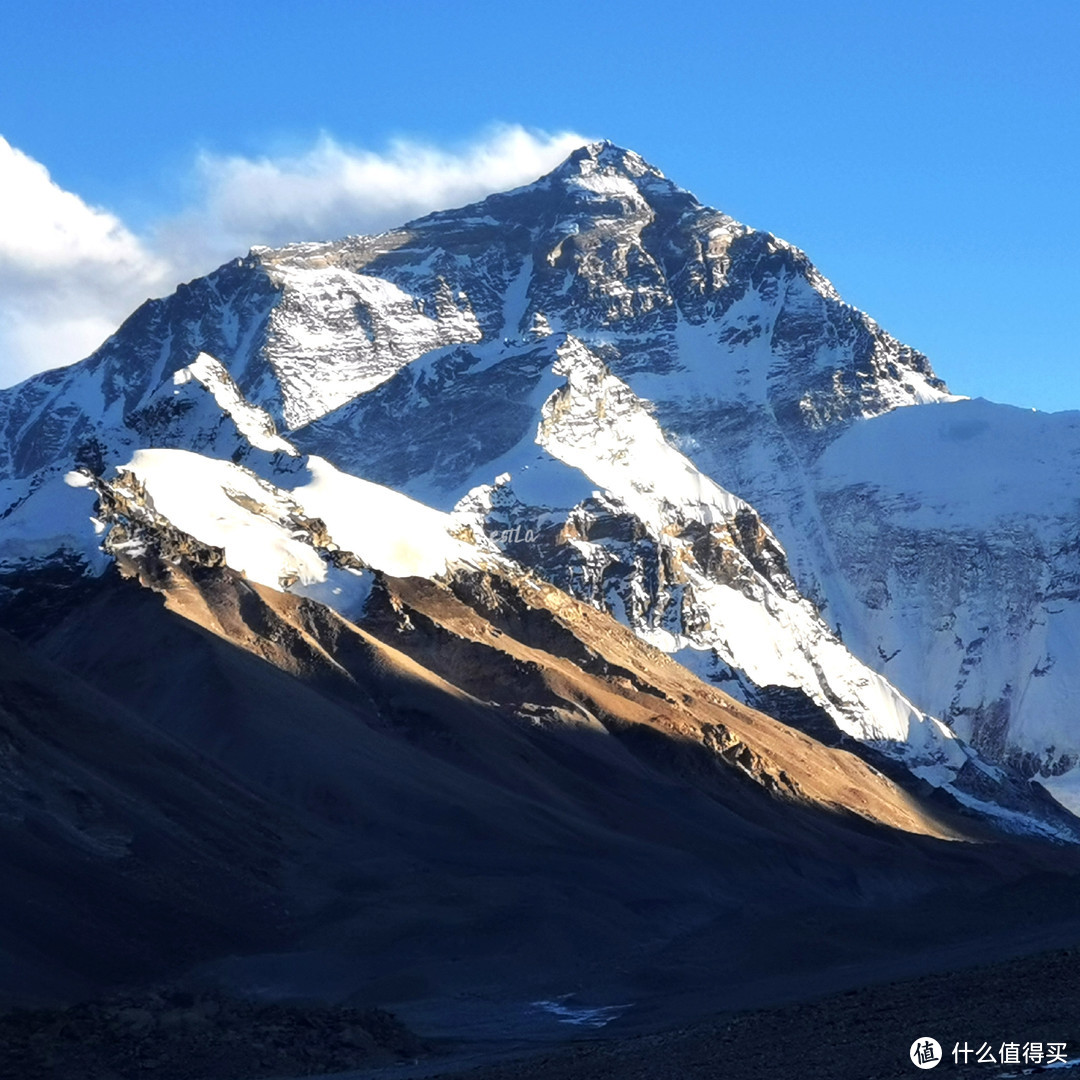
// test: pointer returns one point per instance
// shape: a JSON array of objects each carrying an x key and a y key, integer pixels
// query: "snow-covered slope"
[
  {"x": 957, "y": 538},
  {"x": 320, "y": 537},
  {"x": 682, "y": 561},
  {"x": 711, "y": 359}
]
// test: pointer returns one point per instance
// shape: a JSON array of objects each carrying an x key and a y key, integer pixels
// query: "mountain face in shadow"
[{"x": 279, "y": 799}]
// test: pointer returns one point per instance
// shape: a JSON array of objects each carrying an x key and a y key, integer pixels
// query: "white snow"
[
  {"x": 253, "y": 423},
  {"x": 338, "y": 333},
  {"x": 1065, "y": 788},
  {"x": 226, "y": 506},
  {"x": 964, "y": 463},
  {"x": 625, "y": 452},
  {"x": 57, "y": 517},
  {"x": 516, "y": 300},
  {"x": 599, "y": 184},
  {"x": 263, "y": 529},
  {"x": 970, "y": 508},
  {"x": 384, "y": 528}
]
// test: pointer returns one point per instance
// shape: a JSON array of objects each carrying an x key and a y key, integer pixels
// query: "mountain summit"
[{"x": 696, "y": 433}]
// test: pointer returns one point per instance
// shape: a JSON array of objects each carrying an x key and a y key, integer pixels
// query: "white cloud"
[
  {"x": 70, "y": 272},
  {"x": 333, "y": 190}
]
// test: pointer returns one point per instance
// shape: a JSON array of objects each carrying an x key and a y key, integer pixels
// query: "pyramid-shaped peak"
[
  {"x": 605, "y": 158},
  {"x": 605, "y": 169},
  {"x": 598, "y": 172}
]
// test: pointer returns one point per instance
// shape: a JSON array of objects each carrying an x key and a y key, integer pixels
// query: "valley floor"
[
  {"x": 860, "y": 1034},
  {"x": 855, "y": 1035}
]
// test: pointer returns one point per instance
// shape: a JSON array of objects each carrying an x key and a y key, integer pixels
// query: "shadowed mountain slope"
[
  {"x": 488, "y": 768},
  {"x": 122, "y": 851}
]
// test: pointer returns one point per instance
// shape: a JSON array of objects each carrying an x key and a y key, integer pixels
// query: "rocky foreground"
[
  {"x": 177, "y": 1035},
  {"x": 857, "y": 1035}
]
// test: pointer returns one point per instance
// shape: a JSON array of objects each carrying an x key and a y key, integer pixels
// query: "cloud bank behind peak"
[{"x": 71, "y": 272}]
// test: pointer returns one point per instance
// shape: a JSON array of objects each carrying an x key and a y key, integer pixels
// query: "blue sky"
[{"x": 924, "y": 155}]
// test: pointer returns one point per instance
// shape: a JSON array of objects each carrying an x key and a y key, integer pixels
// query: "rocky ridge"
[{"x": 712, "y": 560}]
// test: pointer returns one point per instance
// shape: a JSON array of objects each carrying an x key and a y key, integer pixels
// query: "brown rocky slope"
[{"x": 483, "y": 795}]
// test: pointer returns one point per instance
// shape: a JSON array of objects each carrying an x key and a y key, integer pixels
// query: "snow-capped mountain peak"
[{"x": 663, "y": 386}]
